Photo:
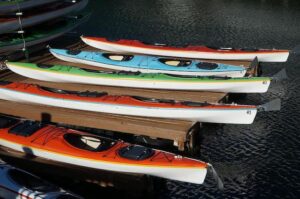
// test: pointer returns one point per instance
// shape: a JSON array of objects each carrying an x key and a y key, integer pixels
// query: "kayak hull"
[
  {"x": 232, "y": 71},
  {"x": 192, "y": 175},
  {"x": 243, "y": 86},
  {"x": 242, "y": 115},
  {"x": 9, "y": 26},
  {"x": 269, "y": 56}
]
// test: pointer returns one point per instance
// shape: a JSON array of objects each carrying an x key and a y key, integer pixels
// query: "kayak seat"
[
  {"x": 91, "y": 94},
  {"x": 89, "y": 143},
  {"x": 73, "y": 52},
  {"x": 31, "y": 182},
  {"x": 135, "y": 152},
  {"x": 44, "y": 66},
  {"x": 207, "y": 65},
  {"x": 7, "y": 122},
  {"x": 26, "y": 128},
  {"x": 175, "y": 62},
  {"x": 117, "y": 57}
]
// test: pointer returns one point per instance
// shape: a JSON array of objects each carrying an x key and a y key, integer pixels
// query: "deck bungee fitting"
[
  {"x": 17, "y": 183},
  {"x": 197, "y": 52},
  {"x": 16, "y": 5},
  {"x": 55, "y": 10},
  {"x": 59, "y": 73},
  {"x": 129, "y": 105},
  {"x": 88, "y": 150},
  {"x": 149, "y": 64},
  {"x": 40, "y": 33}
]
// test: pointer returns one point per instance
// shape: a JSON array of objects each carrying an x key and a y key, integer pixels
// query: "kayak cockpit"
[
  {"x": 153, "y": 100},
  {"x": 117, "y": 57},
  {"x": 136, "y": 152},
  {"x": 31, "y": 182},
  {"x": 207, "y": 66},
  {"x": 26, "y": 128},
  {"x": 89, "y": 143},
  {"x": 175, "y": 62},
  {"x": 80, "y": 94},
  {"x": 44, "y": 66}
]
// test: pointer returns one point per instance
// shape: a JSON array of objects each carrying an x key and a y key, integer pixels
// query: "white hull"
[
  {"x": 233, "y": 116},
  {"x": 120, "y": 68},
  {"x": 262, "y": 57},
  {"x": 184, "y": 174},
  {"x": 230, "y": 87}
]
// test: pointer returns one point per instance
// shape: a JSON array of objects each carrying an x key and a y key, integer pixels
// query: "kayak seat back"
[
  {"x": 89, "y": 143},
  {"x": 117, "y": 57},
  {"x": 135, "y": 152},
  {"x": 207, "y": 66},
  {"x": 26, "y": 128},
  {"x": 175, "y": 62}
]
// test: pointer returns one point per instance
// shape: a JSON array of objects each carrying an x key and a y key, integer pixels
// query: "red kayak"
[
  {"x": 88, "y": 150},
  {"x": 197, "y": 52},
  {"x": 128, "y": 105}
]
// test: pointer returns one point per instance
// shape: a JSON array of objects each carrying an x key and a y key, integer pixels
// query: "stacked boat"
[
  {"x": 26, "y": 23},
  {"x": 17, "y": 183},
  {"x": 156, "y": 67}
]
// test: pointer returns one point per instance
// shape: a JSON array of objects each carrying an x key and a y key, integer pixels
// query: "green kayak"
[
  {"x": 69, "y": 74},
  {"x": 40, "y": 34}
]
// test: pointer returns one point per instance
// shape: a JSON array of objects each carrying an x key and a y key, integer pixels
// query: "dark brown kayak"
[{"x": 10, "y": 24}]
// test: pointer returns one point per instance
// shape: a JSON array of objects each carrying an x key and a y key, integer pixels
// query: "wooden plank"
[{"x": 153, "y": 127}]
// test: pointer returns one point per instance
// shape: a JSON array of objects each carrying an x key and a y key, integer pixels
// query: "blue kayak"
[{"x": 149, "y": 64}]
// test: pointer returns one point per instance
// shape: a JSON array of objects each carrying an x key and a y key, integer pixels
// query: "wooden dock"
[{"x": 178, "y": 131}]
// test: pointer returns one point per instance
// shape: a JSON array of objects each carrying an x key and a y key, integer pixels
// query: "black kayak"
[
  {"x": 40, "y": 34},
  {"x": 9, "y": 6},
  {"x": 47, "y": 13}
]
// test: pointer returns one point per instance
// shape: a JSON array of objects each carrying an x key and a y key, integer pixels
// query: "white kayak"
[{"x": 197, "y": 52}]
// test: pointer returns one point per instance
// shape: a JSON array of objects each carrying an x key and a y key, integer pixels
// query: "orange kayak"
[
  {"x": 128, "y": 105},
  {"x": 88, "y": 150}
]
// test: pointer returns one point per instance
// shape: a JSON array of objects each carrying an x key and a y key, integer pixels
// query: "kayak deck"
[{"x": 175, "y": 130}]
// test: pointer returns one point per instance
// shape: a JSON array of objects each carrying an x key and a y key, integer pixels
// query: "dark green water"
[{"x": 255, "y": 161}]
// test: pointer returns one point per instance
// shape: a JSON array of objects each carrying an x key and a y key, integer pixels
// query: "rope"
[{"x": 21, "y": 31}]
